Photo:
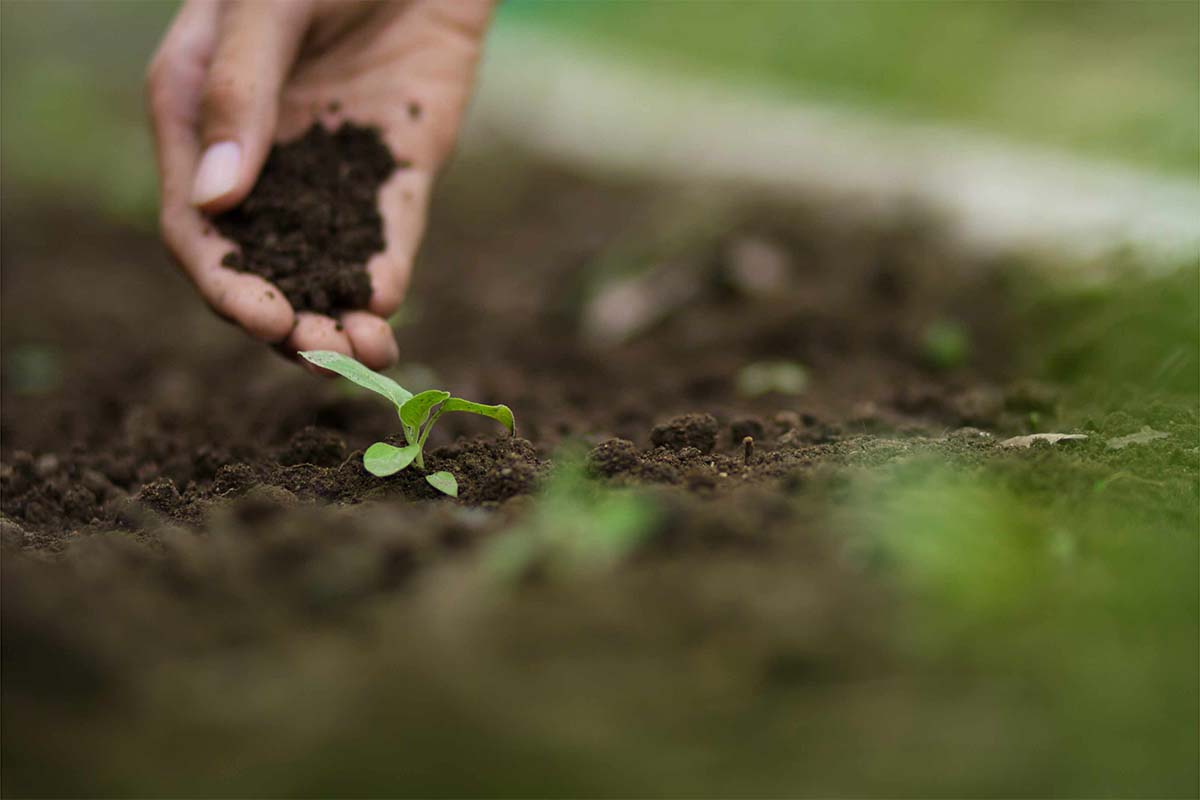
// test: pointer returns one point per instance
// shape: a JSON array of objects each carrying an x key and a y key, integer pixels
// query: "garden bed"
[{"x": 205, "y": 592}]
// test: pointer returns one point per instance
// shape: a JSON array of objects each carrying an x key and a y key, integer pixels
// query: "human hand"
[{"x": 232, "y": 77}]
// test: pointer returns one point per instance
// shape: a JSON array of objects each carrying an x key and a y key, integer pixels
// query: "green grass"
[
  {"x": 1132, "y": 336},
  {"x": 1070, "y": 573},
  {"x": 1118, "y": 80},
  {"x": 1019, "y": 577}
]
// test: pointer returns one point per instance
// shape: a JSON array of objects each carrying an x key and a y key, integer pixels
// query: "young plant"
[{"x": 418, "y": 414}]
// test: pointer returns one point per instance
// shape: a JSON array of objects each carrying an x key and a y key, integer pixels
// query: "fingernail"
[{"x": 218, "y": 172}]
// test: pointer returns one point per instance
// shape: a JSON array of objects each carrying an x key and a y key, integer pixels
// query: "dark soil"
[
  {"x": 205, "y": 593},
  {"x": 176, "y": 423},
  {"x": 311, "y": 222}
]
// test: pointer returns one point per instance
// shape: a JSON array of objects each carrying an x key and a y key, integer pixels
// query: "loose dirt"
[
  {"x": 311, "y": 222},
  {"x": 196, "y": 563}
]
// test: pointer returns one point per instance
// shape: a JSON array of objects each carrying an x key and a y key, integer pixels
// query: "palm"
[
  {"x": 240, "y": 74},
  {"x": 405, "y": 68}
]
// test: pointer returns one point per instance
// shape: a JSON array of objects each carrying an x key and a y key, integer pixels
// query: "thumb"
[{"x": 257, "y": 45}]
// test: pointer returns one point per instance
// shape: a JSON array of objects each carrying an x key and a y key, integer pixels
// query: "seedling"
[
  {"x": 946, "y": 345},
  {"x": 418, "y": 414},
  {"x": 577, "y": 527}
]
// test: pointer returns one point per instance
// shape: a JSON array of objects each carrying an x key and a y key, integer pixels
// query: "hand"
[{"x": 230, "y": 78}]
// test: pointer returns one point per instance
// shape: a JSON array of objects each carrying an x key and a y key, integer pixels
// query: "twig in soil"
[{"x": 748, "y": 449}]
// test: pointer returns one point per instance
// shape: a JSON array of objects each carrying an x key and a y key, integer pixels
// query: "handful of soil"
[{"x": 311, "y": 222}]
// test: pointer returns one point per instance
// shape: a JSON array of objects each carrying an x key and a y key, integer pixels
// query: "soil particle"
[
  {"x": 313, "y": 445},
  {"x": 493, "y": 471},
  {"x": 700, "y": 479},
  {"x": 1030, "y": 396},
  {"x": 613, "y": 457},
  {"x": 234, "y": 479},
  {"x": 161, "y": 495},
  {"x": 311, "y": 222},
  {"x": 45, "y": 466},
  {"x": 11, "y": 534},
  {"x": 739, "y": 429},
  {"x": 971, "y": 436},
  {"x": 97, "y": 483},
  {"x": 979, "y": 405},
  {"x": 689, "y": 430},
  {"x": 786, "y": 421},
  {"x": 797, "y": 430},
  {"x": 261, "y": 503}
]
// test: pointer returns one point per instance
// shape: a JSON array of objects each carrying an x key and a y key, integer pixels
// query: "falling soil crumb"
[{"x": 311, "y": 222}]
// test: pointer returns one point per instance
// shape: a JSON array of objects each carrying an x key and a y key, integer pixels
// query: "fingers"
[
  {"x": 371, "y": 338},
  {"x": 358, "y": 334},
  {"x": 248, "y": 300},
  {"x": 174, "y": 82},
  {"x": 174, "y": 86},
  {"x": 256, "y": 47},
  {"x": 402, "y": 203},
  {"x": 318, "y": 332}
]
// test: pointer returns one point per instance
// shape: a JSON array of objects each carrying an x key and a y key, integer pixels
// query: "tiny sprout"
[
  {"x": 748, "y": 449},
  {"x": 418, "y": 414},
  {"x": 946, "y": 345}
]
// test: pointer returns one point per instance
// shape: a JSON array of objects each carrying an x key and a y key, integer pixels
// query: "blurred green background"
[{"x": 1117, "y": 80}]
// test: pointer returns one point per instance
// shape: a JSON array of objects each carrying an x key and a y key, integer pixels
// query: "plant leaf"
[
  {"x": 500, "y": 413},
  {"x": 382, "y": 459},
  {"x": 416, "y": 410},
  {"x": 444, "y": 482},
  {"x": 351, "y": 370}
]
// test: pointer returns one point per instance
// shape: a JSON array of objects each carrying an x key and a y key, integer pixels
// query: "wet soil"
[
  {"x": 311, "y": 222},
  {"x": 196, "y": 560}
]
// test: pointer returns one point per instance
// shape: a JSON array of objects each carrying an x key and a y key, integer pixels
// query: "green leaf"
[
  {"x": 382, "y": 459},
  {"x": 444, "y": 482},
  {"x": 351, "y": 370},
  {"x": 415, "y": 411},
  {"x": 500, "y": 413}
]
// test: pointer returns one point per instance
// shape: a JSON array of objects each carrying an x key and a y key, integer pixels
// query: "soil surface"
[
  {"x": 311, "y": 222},
  {"x": 205, "y": 593},
  {"x": 173, "y": 427}
]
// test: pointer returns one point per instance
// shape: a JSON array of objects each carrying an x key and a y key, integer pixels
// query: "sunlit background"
[{"x": 1119, "y": 81}]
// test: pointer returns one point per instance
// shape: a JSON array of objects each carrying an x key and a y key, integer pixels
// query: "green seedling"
[
  {"x": 418, "y": 414},
  {"x": 946, "y": 345},
  {"x": 577, "y": 527}
]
